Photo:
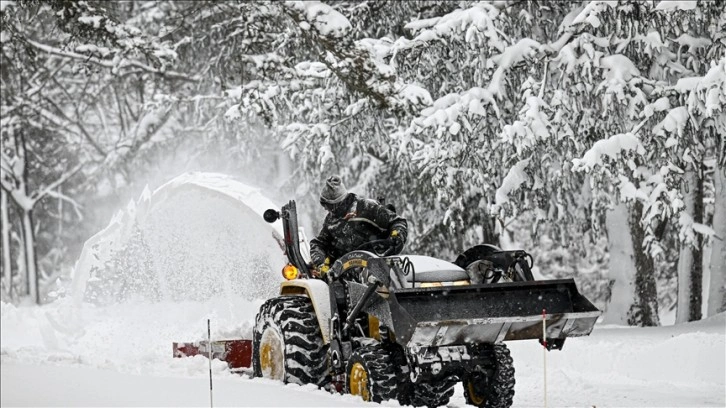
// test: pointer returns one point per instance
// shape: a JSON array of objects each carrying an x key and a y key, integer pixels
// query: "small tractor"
[{"x": 410, "y": 327}]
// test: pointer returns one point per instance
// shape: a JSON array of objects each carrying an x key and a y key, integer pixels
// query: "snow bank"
[
  {"x": 618, "y": 366},
  {"x": 128, "y": 338}
]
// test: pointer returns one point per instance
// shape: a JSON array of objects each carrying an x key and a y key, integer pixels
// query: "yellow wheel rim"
[
  {"x": 476, "y": 399},
  {"x": 271, "y": 355},
  {"x": 358, "y": 381}
]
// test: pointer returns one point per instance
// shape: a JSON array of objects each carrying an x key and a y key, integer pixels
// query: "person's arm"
[
  {"x": 398, "y": 231},
  {"x": 319, "y": 246},
  {"x": 396, "y": 225}
]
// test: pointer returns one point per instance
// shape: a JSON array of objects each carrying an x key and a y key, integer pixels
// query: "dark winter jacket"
[{"x": 354, "y": 222}]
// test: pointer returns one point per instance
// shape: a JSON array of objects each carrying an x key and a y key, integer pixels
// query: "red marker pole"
[
  {"x": 209, "y": 349},
  {"x": 544, "y": 349}
]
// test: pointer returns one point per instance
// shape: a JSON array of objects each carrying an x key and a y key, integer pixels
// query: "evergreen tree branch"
[{"x": 115, "y": 67}]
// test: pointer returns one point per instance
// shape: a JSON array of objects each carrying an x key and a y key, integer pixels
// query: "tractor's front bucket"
[{"x": 491, "y": 313}]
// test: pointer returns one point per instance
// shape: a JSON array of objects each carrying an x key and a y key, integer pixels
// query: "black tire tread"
[
  {"x": 434, "y": 394},
  {"x": 501, "y": 390},
  {"x": 381, "y": 374},
  {"x": 305, "y": 354}
]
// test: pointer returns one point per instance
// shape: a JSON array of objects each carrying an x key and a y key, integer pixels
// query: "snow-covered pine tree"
[
  {"x": 667, "y": 48},
  {"x": 507, "y": 80},
  {"x": 466, "y": 115},
  {"x": 77, "y": 102}
]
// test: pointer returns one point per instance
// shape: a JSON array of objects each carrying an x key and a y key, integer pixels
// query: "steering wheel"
[{"x": 381, "y": 247}]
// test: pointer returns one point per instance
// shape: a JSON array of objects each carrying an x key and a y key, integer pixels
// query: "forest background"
[{"x": 589, "y": 133}]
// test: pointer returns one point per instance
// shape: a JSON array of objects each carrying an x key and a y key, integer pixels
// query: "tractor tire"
[
  {"x": 433, "y": 394},
  {"x": 287, "y": 344},
  {"x": 496, "y": 391},
  {"x": 370, "y": 374}
]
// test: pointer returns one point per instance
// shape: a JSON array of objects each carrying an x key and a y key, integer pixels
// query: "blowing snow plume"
[{"x": 199, "y": 236}]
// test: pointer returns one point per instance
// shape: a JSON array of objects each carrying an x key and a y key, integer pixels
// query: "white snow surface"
[
  {"x": 74, "y": 353},
  {"x": 5, "y": 4},
  {"x": 611, "y": 147},
  {"x": 121, "y": 356},
  {"x": 676, "y": 5},
  {"x": 512, "y": 181},
  {"x": 326, "y": 19}
]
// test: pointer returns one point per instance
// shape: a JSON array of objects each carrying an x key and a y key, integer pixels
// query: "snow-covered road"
[
  {"x": 58, "y": 355},
  {"x": 76, "y": 385}
]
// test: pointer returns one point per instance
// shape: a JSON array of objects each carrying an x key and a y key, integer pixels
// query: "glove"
[
  {"x": 398, "y": 240},
  {"x": 323, "y": 268}
]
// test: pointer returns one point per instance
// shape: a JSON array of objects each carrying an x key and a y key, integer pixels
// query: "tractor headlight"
[{"x": 290, "y": 272}]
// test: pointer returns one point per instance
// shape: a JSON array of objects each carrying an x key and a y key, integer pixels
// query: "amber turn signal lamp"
[{"x": 290, "y": 272}]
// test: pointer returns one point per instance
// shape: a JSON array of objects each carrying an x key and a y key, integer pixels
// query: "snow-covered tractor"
[{"x": 410, "y": 327}]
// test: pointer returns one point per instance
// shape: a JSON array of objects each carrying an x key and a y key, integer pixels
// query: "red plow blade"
[{"x": 237, "y": 353}]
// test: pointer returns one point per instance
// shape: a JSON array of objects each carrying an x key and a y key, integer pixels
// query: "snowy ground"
[
  {"x": 63, "y": 355},
  {"x": 72, "y": 353}
]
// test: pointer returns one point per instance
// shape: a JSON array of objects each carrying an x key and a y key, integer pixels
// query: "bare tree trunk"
[
  {"x": 644, "y": 312},
  {"x": 31, "y": 262},
  {"x": 621, "y": 266},
  {"x": 696, "y": 300},
  {"x": 690, "y": 261},
  {"x": 60, "y": 212},
  {"x": 7, "y": 265},
  {"x": 685, "y": 265},
  {"x": 717, "y": 282}
]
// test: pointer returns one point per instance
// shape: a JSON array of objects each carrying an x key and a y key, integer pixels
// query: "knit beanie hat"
[{"x": 334, "y": 191}]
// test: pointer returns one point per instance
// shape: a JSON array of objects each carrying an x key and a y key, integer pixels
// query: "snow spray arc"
[{"x": 198, "y": 236}]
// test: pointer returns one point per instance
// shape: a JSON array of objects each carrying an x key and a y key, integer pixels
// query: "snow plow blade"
[
  {"x": 491, "y": 313},
  {"x": 237, "y": 353}
]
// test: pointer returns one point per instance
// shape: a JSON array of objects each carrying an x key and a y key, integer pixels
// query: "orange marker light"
[{"x": 290, "y": 272}]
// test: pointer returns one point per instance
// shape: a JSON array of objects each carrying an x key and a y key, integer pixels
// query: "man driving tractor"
[
  {"x": 407, "y": 327},
  {"x": 351, "y": 222}
]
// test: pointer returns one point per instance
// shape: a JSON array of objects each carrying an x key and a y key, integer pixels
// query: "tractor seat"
[{"x": 429, "y": 269}]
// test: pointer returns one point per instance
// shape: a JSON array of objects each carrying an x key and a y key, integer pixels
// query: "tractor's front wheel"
[
  {"x": 370, "y": 374},
  {"x": 497, "y": 390},
  {"x": 433, "y": 394},
  {"x": 287, "y": 343}
]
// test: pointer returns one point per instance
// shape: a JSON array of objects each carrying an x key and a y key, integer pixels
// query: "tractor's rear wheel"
[
  {"x": 287, "y": 343},
  {"x": 370, "y": 374},
  {"x": 497, "y": 390}
]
